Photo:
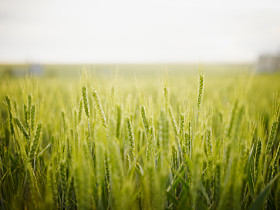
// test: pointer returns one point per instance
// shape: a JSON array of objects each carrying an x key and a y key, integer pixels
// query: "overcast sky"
[{"x": 98, "y": 31}]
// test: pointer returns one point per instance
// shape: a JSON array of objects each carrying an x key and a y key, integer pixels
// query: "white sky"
[{"x": 98, "y": 31}]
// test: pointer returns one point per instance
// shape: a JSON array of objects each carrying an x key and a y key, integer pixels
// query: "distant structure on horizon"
[
  {"x": 22, "y": 70},
  {"x": 36, "y": 69},
  {"x": 268, "y": 63}
]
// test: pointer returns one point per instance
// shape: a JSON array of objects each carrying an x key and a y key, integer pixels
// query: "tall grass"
[{"x": 157, "y": 146}]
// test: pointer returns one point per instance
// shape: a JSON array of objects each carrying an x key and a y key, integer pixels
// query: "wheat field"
[{"x": 162, "y": 141}]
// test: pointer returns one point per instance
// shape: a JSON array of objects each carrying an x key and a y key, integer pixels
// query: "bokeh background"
[{"x": 41, "y": 37}]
